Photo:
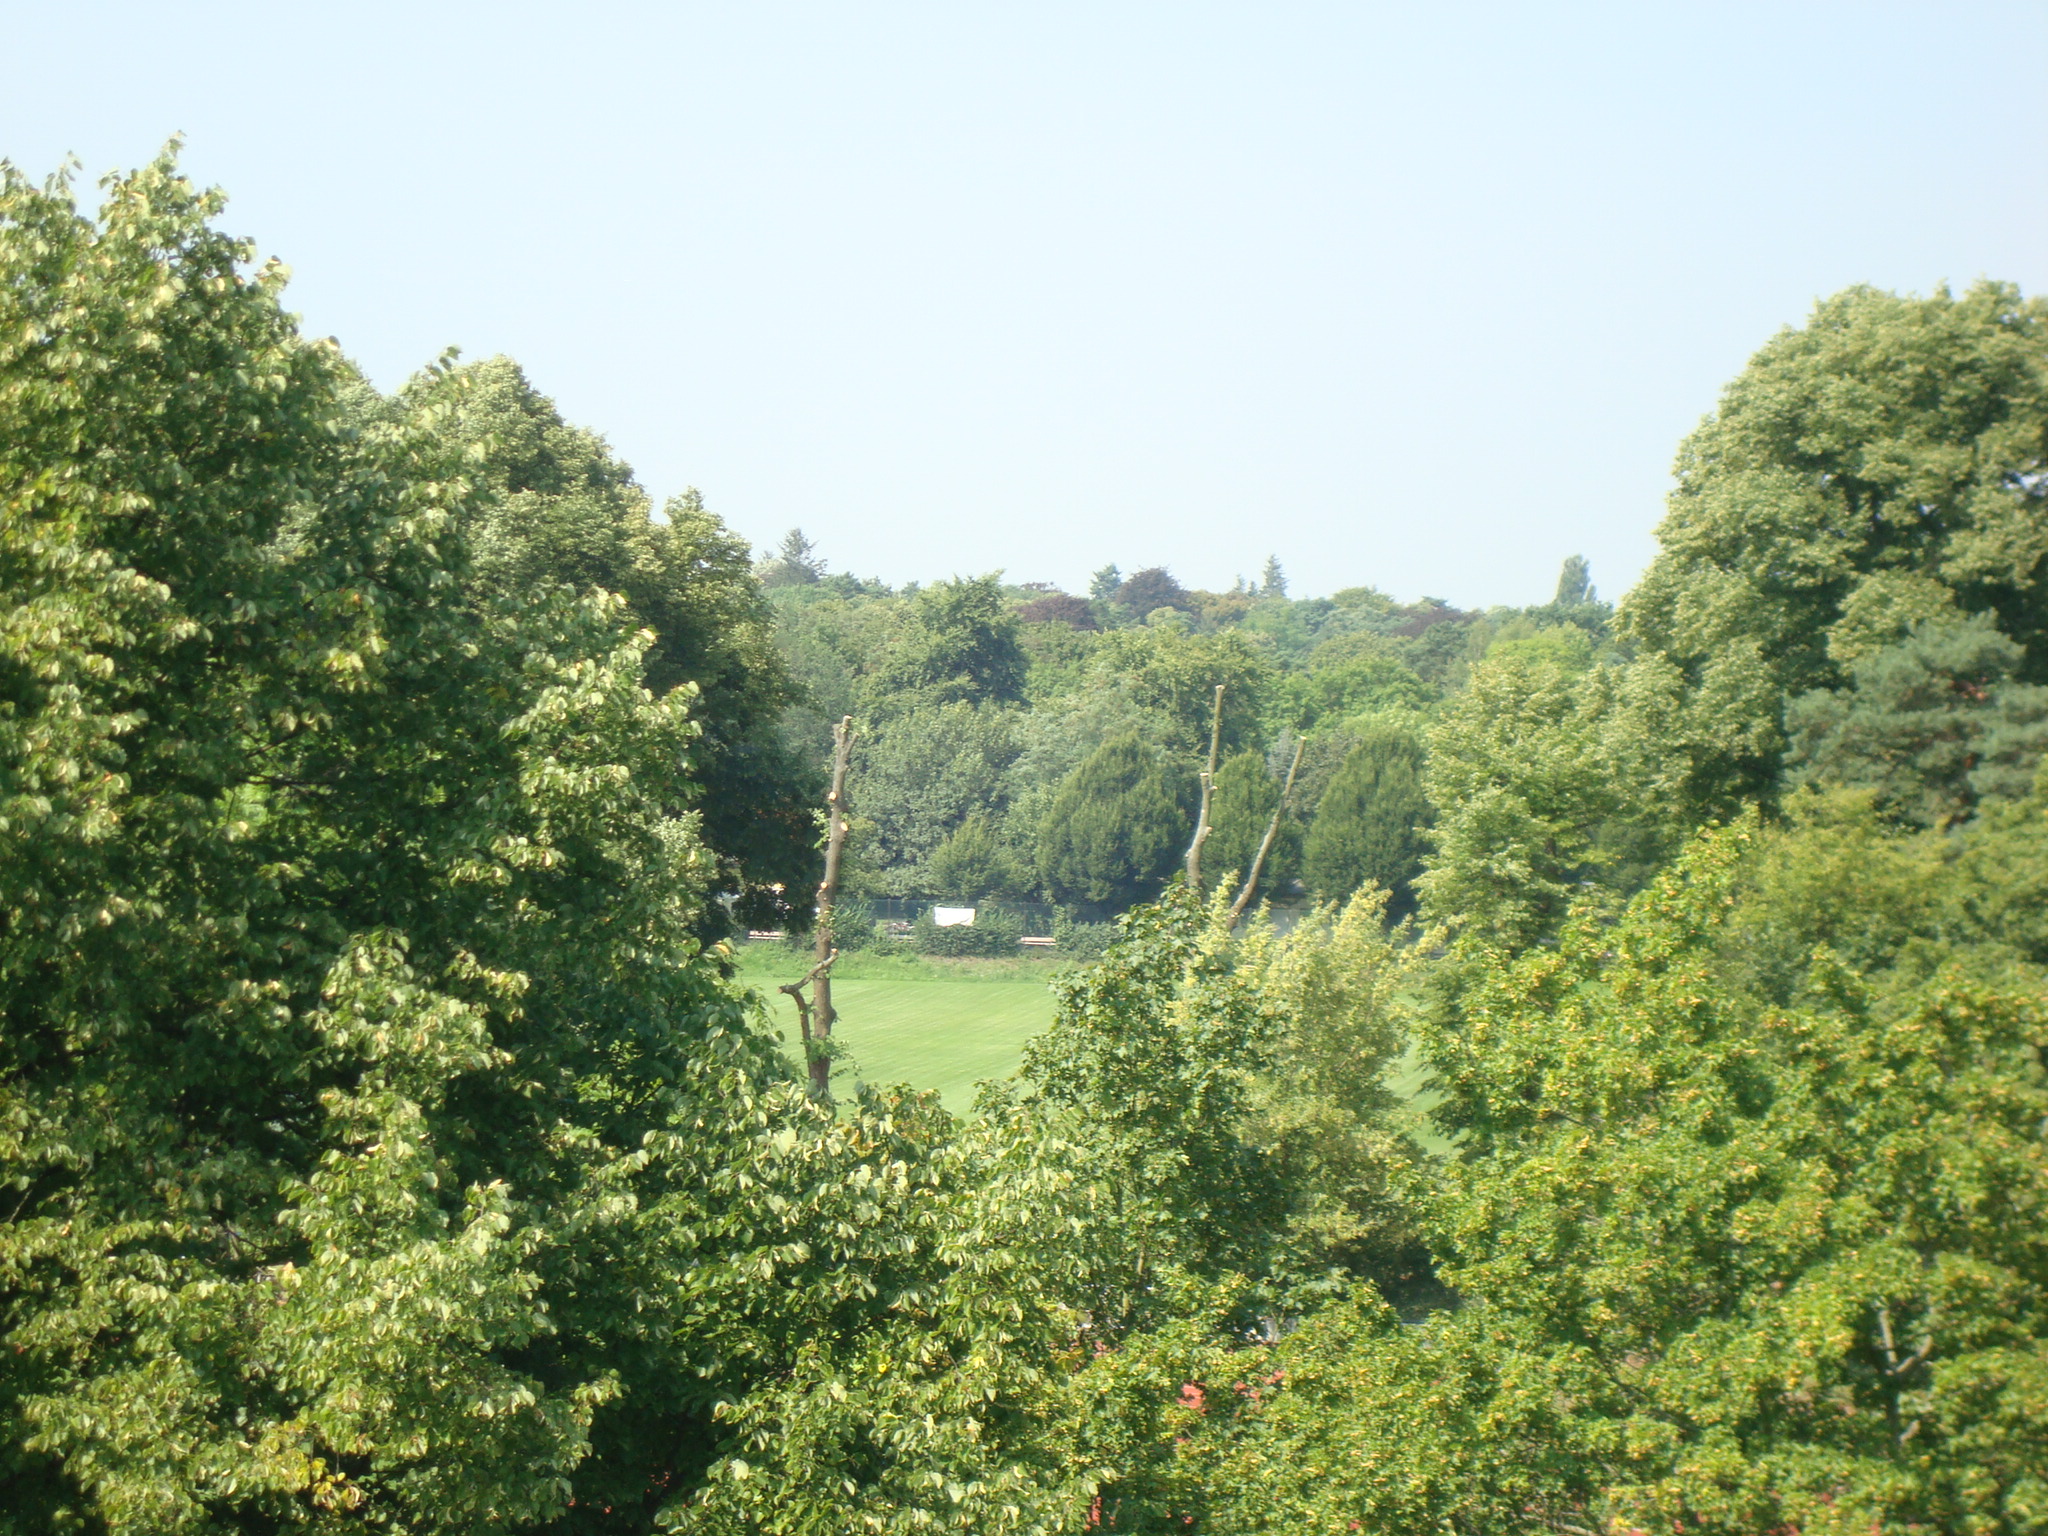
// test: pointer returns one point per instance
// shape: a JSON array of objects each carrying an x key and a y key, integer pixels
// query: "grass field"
[
  {"x": 949, "y": 1024},
  {"x": 944, "y": 1024}
]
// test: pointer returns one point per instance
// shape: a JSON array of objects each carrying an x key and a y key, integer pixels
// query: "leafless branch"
[
  {"x": 1208, "y": 790},
  {"x": 795, "y": 992}
]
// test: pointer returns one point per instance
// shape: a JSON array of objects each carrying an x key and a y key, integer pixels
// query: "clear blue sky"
[{"x": 1419, "y": 295}]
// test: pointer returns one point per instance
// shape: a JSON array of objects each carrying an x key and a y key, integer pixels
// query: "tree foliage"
[
  {"x": 1142, "y": 592},
  {"x": 1175, "y": 673},
  {"x": 1884, "y": 464},
  {"x": 923, "y": 774},
  {"x": 1246, "y": 797},
  {"x": 1929, "y": 724},
  {"x": 385, "y": 1146},
  {"x": 1728, "y": 1263},
  {"x": 795, "y": 562},
  {"x": 1372, "y": 820},
  {"x": 956, "y": 643},
  {"x": 973, "y": 864},
  {"x": 560, "y": 510},
  {"x": 1114, "y": 829},
  {"x": 1551, "y": 774},
  {"x": 347, "y": 959}
]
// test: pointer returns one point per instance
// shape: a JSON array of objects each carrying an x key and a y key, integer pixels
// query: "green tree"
[
  {"x": 827, "y": 639},
  {"x": 1880, "y": 466},
  {"x": 383, "y": 1149},
  {"x": 974, "y": 863},
  {"x": 1114, "y": 829},
  {"x": 1343, "y": 681},
  {"x": 1175, "y": 673},
  {"x": 1272, "y": 580},
  {"x": 1338, "y": 1139},
  {"x": 1728, "y": 1261},
  {"x": 1154, "y": 587},
  {"x": 1576, "y": 601},
  {"x": 345, "y": 937},
  {"x": 560, "y": 511},
  {"x": 955, "y": 642},
  {"x": 1149, "y": 1062},
  {"x": 1574, "y": 583},
  {"x": 795, "y": 563},
  {"x": 1926, "y": 723},
  {"x": 1554, "y": 780},
  {"x": 919, "y": 777},
  {"x": 1246, "y": 796},
  {"x": 1372, "y": 821}
]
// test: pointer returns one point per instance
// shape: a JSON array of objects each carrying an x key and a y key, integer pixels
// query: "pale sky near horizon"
[{"x": 1420, "y": 296}]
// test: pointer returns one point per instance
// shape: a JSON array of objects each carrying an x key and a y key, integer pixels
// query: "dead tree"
[
  {"x": 1208, "y": 791},
  {"x": 1251, "y": 881},
  {"x": 816, "y": 1016},
  {"x": 795, "y": 992}
]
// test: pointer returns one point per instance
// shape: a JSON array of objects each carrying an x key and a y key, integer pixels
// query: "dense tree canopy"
[
  {"x": 560, "y": 510},
  {"x": 1929, "y": 723},
  {"x": 1371, "y": 821},
  {"x": 1247, "y": 795},
  {"x": 1885, "y": 464},
  {"x": 1144, "y": 592},
  {"x": 387, "y": 1144},
  {"x": 1739, "y": 1259},
  {"x": 347, "y": 935},
  {"x": 1114, "y": 829},
  {"x": 955, "y": 642}
]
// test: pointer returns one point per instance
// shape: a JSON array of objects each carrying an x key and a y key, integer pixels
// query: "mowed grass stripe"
[{"x": 947, "y": 1035}]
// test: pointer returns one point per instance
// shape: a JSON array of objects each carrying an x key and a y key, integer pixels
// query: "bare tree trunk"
[
  {"x": 1251, "y": 881},
  {"x": 795, "y": 992},
  {"x": 1208, "y": 790},
  {"x": 816, "y": 1018}
]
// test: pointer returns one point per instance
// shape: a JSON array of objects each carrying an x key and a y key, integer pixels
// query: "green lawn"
[
  {"x": 949, "y": 1024},
  {"x": 933, "y": 1024}
]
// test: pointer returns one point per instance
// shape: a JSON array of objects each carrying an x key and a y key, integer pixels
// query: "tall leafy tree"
[
  {"x": 1346, "y": 680},
  {"x": 1114, "y": 829},
  {"x": 1142, "y": 592},
  {"x": 1731, "y": 1261},
  {"x": 1321, "y": 1109},
  {"x": 1059, "y": 608},
  {"x": 1272, "y": 580},
  {"x": 1175, "y": 673},
  {"x": 1371, "y": 823},
  {"x": 795, "y": 562},
  {"x": 346, "y": 937},
  {"x": 1554, "y": 781},
  {"x": 973, "y": 863},
  {"x": 955, "y": 642},
  {"x": 1246, "y": 797},
  {"x": 1884, "y": 464},
  {"x": 382, "y": 1148},
  {"x": 921, "y": 776},
  {"x": 560, "y": 510},
  {"x": 1575, "y": 583}
]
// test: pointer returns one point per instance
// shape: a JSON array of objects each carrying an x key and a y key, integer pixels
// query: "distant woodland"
[{"x": 1637, "y": 1122}]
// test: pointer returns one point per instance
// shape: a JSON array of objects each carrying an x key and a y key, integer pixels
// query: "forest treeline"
[{"x": 386, "y": 1142}]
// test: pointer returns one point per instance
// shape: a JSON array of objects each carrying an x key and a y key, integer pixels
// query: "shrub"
[
  {"x": 992, "y": 934},
  {"x": 1082, "y": 941}
]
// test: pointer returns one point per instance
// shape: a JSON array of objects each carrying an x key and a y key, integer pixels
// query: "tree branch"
[
  {"x": 795, "y": 992},
  {"x": 1208, "y": 789}
]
